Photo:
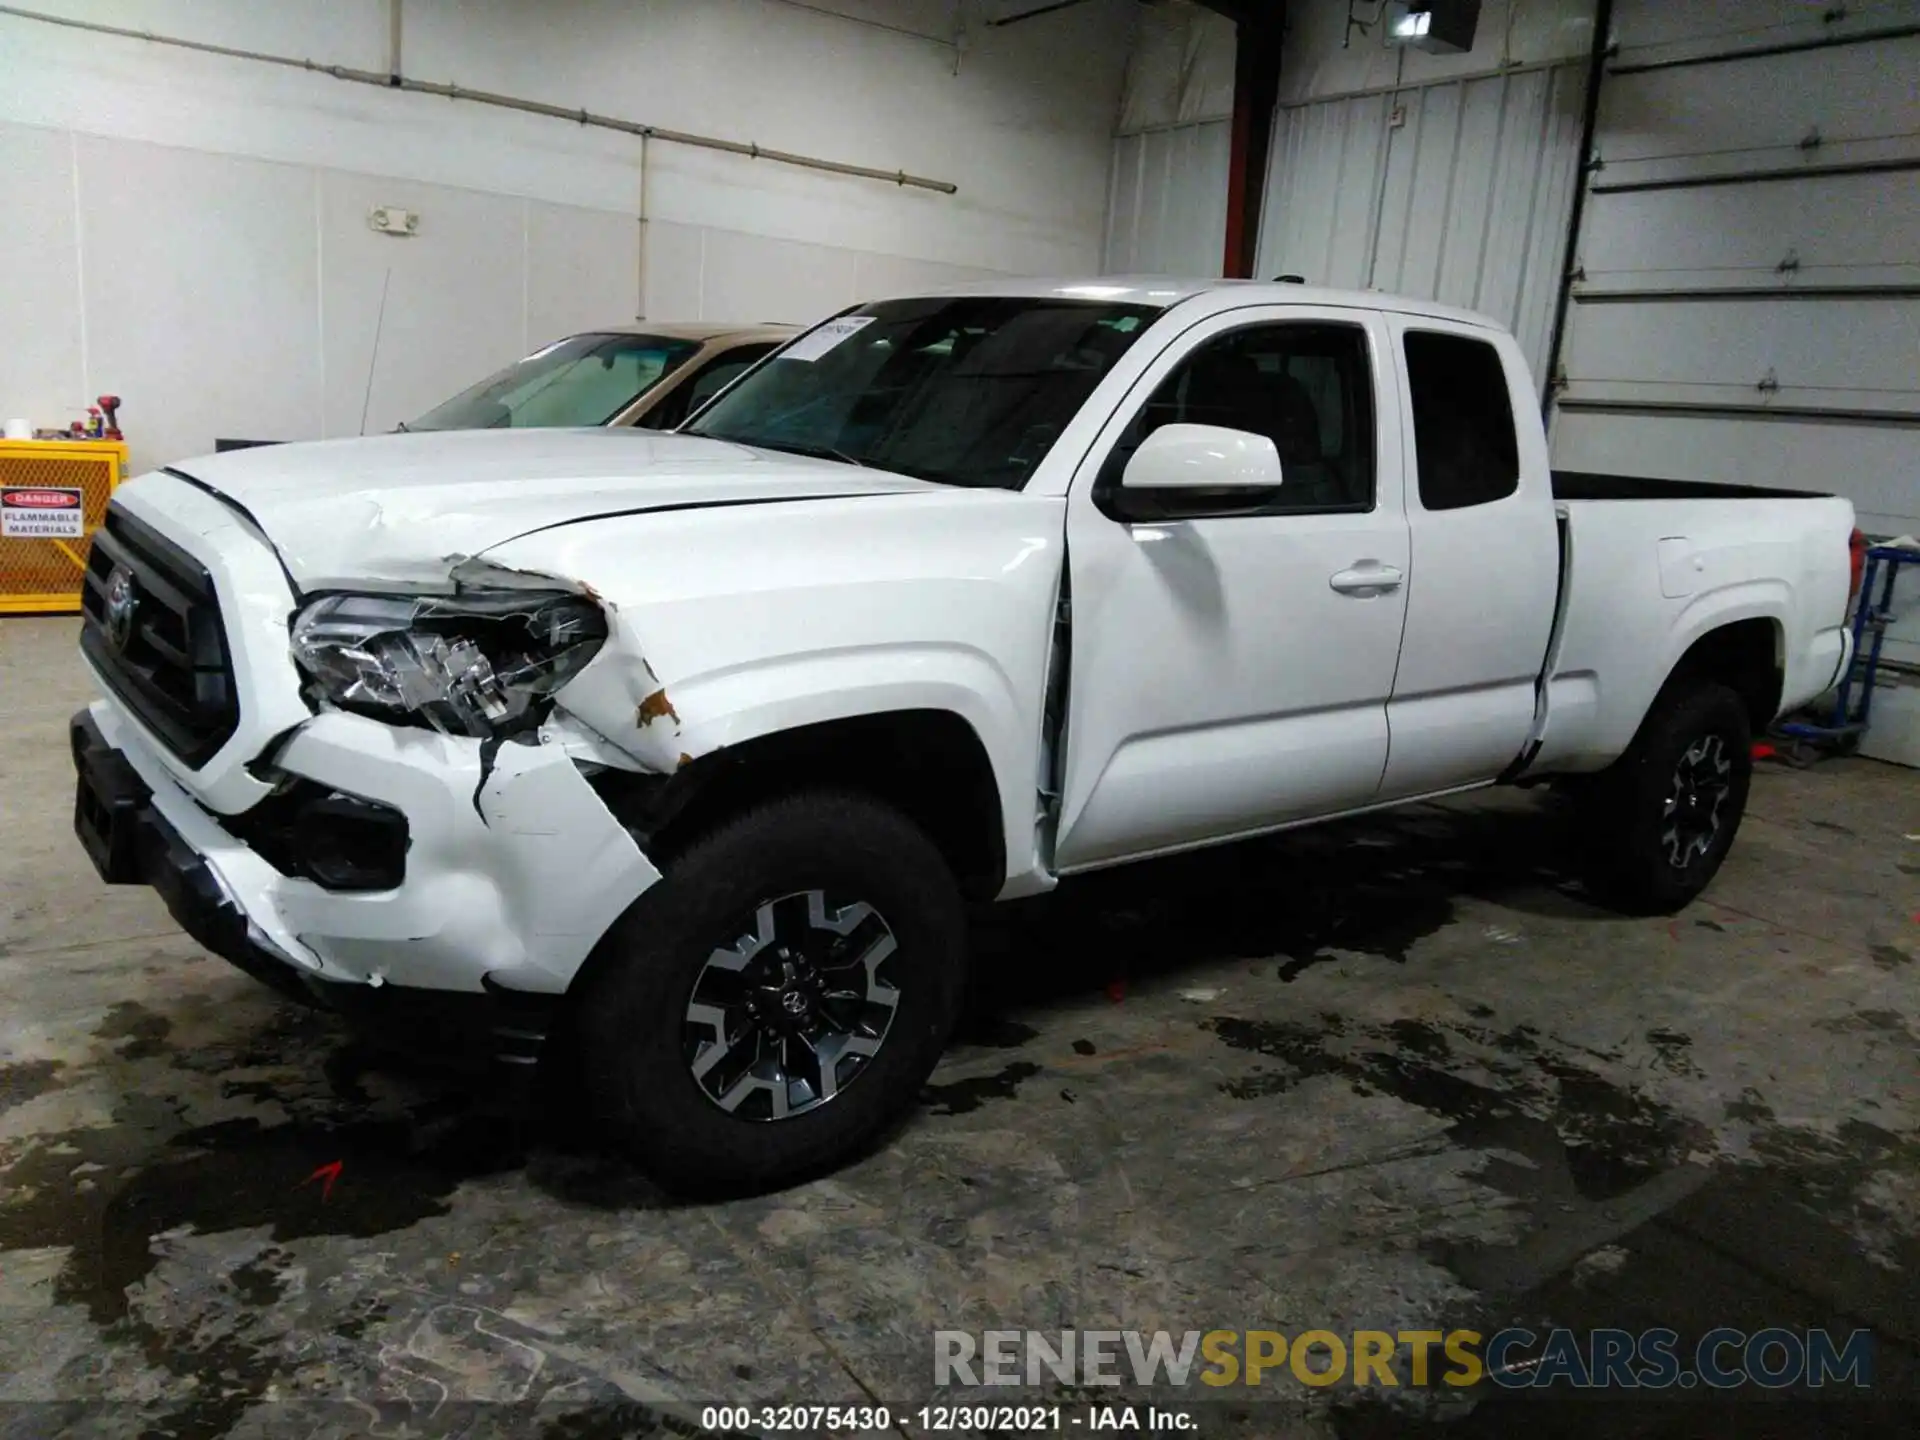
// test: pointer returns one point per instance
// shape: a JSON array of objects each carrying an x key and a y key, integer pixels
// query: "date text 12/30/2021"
[{"x": 763, "y": 1420}]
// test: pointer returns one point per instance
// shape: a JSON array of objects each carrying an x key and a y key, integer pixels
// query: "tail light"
[{"x": 1857, "y": 549}]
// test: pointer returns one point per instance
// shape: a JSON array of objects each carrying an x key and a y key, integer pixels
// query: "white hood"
[{"x": 399, "y": 507}]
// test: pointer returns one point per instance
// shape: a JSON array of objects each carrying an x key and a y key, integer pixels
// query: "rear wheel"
[
  {"x": 1661, "y": 820},
  {"x": 779, "y": 997}
]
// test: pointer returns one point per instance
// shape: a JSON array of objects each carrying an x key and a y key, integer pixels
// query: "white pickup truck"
[{"x": 690, "y": 747}]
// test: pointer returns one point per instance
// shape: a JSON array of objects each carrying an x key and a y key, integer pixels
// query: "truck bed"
[
  {"x": 1640, "y": 582},
  {"x": 1589, "y": 485}
]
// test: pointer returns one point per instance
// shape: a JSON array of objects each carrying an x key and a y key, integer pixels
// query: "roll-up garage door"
[{"x": 1745, "y": 302}]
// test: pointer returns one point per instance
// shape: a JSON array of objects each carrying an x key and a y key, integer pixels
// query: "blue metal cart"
[{"x": 1853, "y": 702}]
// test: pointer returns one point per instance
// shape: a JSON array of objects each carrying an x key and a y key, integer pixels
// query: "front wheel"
[
  {"x": 1661, "y": 820},
  {"x": 779, "y": 997}
]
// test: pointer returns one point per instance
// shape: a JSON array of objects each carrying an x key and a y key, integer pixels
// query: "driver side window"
[{"x": 1306, "y": 387}]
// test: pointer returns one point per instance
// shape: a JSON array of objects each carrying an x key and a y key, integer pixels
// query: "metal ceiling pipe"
[{"x": 505, "y": 102}]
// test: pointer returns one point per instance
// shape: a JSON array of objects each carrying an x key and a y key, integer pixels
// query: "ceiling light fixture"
[{"x": 1441, "y": 27}]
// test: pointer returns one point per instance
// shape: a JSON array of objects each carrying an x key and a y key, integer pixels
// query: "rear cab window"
[{"x": 1465, "y": 446}]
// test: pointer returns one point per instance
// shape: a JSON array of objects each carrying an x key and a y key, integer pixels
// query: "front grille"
[{"x": 162, "y": 650}]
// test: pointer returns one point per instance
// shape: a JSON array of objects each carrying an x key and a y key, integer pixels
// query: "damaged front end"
[{"x": 486, "y": 663}]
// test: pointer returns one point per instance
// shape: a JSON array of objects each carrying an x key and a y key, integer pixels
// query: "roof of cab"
[{"x": 1165, "y": 291}]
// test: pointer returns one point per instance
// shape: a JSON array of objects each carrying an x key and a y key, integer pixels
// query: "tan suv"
[{"x": 651, "y": 376}]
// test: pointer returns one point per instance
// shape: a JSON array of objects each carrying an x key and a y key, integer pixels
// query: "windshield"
[
  {"x": 965, "y": 391},
  {"x": 586, "y": 380}
]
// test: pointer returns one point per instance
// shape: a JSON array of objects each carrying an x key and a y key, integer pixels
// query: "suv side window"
[
  {"x": 1306, "y": 387},
  {"x": 1463, "y": 436},
  {"x": 696, "y": 390}
]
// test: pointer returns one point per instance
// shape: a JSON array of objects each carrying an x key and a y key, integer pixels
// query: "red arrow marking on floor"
[{"x": 331, "y": 1172}]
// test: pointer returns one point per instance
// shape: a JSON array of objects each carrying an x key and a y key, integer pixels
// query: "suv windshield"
[
  {"x": 965, "y": 391},
  {"x": 586, "y": 380}
]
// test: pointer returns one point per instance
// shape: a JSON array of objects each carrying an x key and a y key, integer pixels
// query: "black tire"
[
  {"x": 1662, "y": 818},
  {"x": 640, "y": 1045}
]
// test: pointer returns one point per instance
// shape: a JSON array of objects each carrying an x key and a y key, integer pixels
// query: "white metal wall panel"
[
  {"x": 1324, "y": 174},
  {"x": 1456, "y": 191},
  {"x": 1746, "y": 296},
  {"x": 1167, "y": 201}
]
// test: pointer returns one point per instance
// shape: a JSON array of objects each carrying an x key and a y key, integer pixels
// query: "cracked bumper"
[{"x": 514, "y": 868}]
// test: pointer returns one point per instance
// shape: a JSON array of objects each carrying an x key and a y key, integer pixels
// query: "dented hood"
[{"x": 396, "y": 508}]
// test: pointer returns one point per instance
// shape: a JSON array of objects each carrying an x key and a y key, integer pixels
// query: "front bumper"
[{"x": 514, "y": 867}]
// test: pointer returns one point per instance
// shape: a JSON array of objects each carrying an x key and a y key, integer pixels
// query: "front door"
[{"x": 1231, "y": 663}]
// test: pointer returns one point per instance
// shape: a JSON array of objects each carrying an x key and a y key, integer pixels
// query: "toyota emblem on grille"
[{"x": 123, "y": 598}]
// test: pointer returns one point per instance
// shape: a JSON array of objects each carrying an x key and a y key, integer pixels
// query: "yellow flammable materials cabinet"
[{"x": 53, "y": 495}]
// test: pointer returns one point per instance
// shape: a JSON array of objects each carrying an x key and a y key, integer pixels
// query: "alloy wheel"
[
  {"x": 783, "y": 1019},
  {"x": 1696, "y": 796}
]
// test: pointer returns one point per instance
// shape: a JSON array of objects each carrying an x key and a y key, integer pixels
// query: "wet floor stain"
[
  {"x": 141, "y": 1033},
  {"x": 230, "y": 1176},
  {"x": 1890, "y": 957},
  {"x": 1672, "y": 1052},
  {"x": 1365, "y": 890},
  {"x": 1752, "y": 1246},
  {"x": 109, "y": 1196},
  {"x": 1625, "y": 1226},
  {"x": 1866, "y": 1022},
  {"x": 25, "y": 1080},
  {"x": 1491, "y": 1085},
  {"x": 962, "y": 1097},
  {"x": 1749, "y": 1108}
]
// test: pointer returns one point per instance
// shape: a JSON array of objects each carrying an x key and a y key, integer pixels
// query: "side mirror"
[{"x": 1203, "y": 457}]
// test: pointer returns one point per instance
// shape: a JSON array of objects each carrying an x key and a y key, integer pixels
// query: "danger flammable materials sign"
[{"x": 41, "y": 512}]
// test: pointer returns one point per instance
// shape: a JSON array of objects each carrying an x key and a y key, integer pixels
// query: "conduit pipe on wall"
[{"x": 583, "y": 116}]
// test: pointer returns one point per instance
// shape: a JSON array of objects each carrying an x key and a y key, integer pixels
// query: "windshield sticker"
[{"x": 818, "y": 342}]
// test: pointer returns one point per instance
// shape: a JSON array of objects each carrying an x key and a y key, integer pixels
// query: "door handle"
[{"x": 1367, "y": 579}]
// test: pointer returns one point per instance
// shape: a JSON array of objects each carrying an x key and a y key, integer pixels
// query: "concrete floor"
[{"x": 1389, "y": 1075}]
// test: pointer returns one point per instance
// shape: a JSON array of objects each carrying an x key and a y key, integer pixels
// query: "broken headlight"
[{"x": 480, "y": 663}]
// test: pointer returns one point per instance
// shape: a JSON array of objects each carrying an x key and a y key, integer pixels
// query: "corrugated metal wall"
[
  {"x": 1167, "y": 197},
  {"x": 1167, "y": 208},
  {"x": 1457, "y": 191},
  {"x": 1747, "y": 297}
]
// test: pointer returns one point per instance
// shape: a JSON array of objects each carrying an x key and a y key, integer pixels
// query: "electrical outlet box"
[{"x": 392, "y": 220}]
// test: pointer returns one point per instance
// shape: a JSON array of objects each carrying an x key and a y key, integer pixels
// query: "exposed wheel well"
[
  {"x": 1744, "y": 656},
  {"x": 929, "y": 764}
]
